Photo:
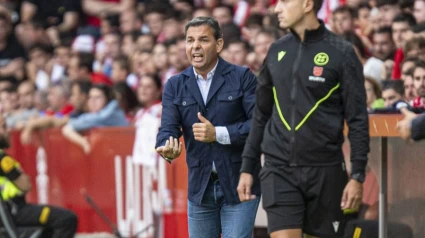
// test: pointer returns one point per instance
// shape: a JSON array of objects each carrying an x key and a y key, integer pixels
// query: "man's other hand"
[{"x": 172, "y": 148}]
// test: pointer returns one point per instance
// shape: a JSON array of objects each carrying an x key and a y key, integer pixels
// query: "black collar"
[{"x": 312, "y": 35}]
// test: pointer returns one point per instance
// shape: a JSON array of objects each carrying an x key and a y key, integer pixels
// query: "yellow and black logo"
[
  {"x": 7, "y": 164},
  {"x": 321, "y": 59}
]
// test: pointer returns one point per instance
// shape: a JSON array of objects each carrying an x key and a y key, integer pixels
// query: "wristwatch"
[{"x": 359, "y": 177}]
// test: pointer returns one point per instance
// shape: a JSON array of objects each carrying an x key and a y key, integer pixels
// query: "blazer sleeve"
[
  {"x": 238, "y": 132},
  {"x": 170, "y": 119},
  {"x": 418, "y": 128}
]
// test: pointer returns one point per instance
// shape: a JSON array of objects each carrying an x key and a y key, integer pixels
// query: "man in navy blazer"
[{"x": 211, "y": 105}]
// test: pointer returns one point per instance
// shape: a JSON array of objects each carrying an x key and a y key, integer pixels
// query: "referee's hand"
[
  {"x": 352, "y": 196},
  {"x": 244, "y": 187}
]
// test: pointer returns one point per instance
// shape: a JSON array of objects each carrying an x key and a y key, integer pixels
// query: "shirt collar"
[{"x": 209, "y": 75}]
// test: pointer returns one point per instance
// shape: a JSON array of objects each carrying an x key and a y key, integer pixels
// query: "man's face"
[
  {"x": 390, "y": 96},
  {"x": 419, "y": 81},
  {"x": 409, "y": 89},
  {"x": 399, "y": 29},
  {"x": 4, "y": 134},
  {"x": 74, "y": 69},
  {"x": 419, "y": 11},
  {"x": 56, "y": 98},
  {"x": 155, "y": 22},
  {"x": 405, "y": 67},
  {"x": 78, "y": 99},
  {"x": 289, "y": 12},
  {"x": 145, "y": 42},
  {"x": 112, "y": 45},
  {"x": 26, "y": 95},
  {"x": 388, "y": 13},
  {"x": 127, "y": 46},
  {"x": 63, "y": 55},
  {"x": 237, "y": 53},
  {"x": 342, "y": 22},
  {"x": 222, "y": 15},
  {"x": 202, "y": 48},
  {"x": 383, "y": 46},
  {"x": 363, "y": 18},
  {"x": 262, "y": 45},
  {"x": 128, "y": 21}
]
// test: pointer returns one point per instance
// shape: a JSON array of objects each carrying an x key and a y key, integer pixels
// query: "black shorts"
[{"x": 307, "y": 198}]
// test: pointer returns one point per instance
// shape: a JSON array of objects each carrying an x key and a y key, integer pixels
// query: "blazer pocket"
[
  {"x": 229, "y": 96},
  {"x": 184, "y": 102}
]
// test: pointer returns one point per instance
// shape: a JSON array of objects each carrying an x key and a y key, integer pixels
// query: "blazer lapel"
[
  {"x": 193, "y": 87},
  {"x": 217, "y": 80}
]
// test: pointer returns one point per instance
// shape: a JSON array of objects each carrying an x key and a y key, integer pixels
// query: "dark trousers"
[{"x": 58, "y": 222}]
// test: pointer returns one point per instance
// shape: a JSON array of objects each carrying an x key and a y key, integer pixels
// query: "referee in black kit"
[{"x": 310, "y": 82}]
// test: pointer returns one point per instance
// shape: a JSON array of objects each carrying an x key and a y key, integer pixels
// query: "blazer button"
[
  {"x": 184, "y": 103},
  {"x": 230, "y": 98}
]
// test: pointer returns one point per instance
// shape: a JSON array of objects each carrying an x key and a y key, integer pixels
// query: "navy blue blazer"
[{"x": 230, "y": 103}]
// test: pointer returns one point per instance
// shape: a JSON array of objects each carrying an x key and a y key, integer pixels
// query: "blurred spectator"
[
  {"x": 419, "y": 83},
  {"x": 160, "y": 59},
  {"x": 96, "y": 9},
  {"x": 9, "y": 101},
  {"x": 362, "y": 22},
  {"x": 252, "y": 27},
  {"x": 383, "y": 44},
  {"x": 401, "y": 24},
  {"x": 406, "y": 6},
  {"x": 143, "y": 64},
  {"x": 57, "y": 98},
  {"x": 129, "y": 42},
  {"x": 81, "y": 68},
  {"x": 393, "y": 93},
  {"x": 223, "y": 14},
  {"x": 120, "y": 69},
  {"x": 373, "y": 94},
  {"x": 33, "y": 33},
  {"x": 231, "y": 32},
  {"x": 409, "y": 87},
  {"x": 419, "y": 11},
  {"x": 154, "y": 18},
  {"x": 202, "y": 12},
  {"x": 172, "y": 27},
  {"x": 343, "y": 19},
  {"x": 358, "y": 46},
  {"x": 103, "y": 111},
  {"x": 240, "y": 11},
  {"x": 149, "y": 92},
  {"x": 177, "y": 58},
  {"x": 112, "y": 50},
  {"x": 389, "y": 9},
  {"x": 127, "y": 100},
  {"x": 130, "y": 21},
  {"x": 60, "y": 61},
  {"x": 238, "y": 51},
  {"x": 415, "y": 47},
  {"x": 78, "y": 99},
  {"x": 36, "y": 68},
  {"x": 407, "y": 65},
  {"x": 40, "y": 100},
  {"x": 7, "y": 82},
  {"x": 263, "y": 41},
  {"x": 145, "y": 42},
  {"x": 27, "y": 110},
  {"x": 59, "y": 16},
  {"x": 12, "y": 54}
]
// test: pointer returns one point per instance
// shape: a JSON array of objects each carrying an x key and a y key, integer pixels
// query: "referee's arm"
[
  {"x": 355, "y": 111},
  {"x": 262, "y": 113}
]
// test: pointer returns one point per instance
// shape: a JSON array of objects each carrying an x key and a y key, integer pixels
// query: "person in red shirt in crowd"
[
  {"x": 400, "y": 26},
  {"x": 81, "y": 67},
  {"x": 419, "y": 83}
]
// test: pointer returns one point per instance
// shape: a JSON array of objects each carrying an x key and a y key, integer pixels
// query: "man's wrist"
[{"x": 359, "y": 177}]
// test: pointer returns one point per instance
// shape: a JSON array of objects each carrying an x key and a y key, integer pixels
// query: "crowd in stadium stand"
[{"x": 94, "y": 63}]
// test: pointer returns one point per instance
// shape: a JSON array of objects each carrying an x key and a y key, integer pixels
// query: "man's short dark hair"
[
  {"x": 85, "y": 60},
  {"x": 123, "y": 62},
  {"x": 396, "y": 85},
  {"x": 317, "y": 5},
  {"x": 406, "y": 4},
  {"x": 344, "y": 9},
  {"x": 208, "y": 21},
  {"x": 420, "y": 64},
  {"x": 254, "y": 19},
  {"x": 241, "y": 42},
  {"x": 384, "y": 30},
  {"x": 381, "y": 3},
  {"x": 405, "y": 17},
  {"x": 83, "y": 85},
  {"x": 363, "y": 5}
]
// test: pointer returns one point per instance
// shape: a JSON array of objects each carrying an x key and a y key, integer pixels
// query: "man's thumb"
[
  {"x": 201, "y": 118},
  {"x": 406, "y": 111}
]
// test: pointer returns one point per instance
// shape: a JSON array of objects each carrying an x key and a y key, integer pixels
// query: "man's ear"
[
  {"x": 308, "y": 5},
  {"x": 220, "y": 43}
]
